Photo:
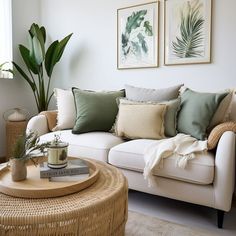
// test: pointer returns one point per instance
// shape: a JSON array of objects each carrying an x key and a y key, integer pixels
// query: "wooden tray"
[{"x": 35, "y": 187}]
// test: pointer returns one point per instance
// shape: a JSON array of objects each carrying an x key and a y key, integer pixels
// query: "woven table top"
[{"x": 110, "y": 185}]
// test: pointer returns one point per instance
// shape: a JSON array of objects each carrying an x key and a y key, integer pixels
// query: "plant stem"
[
  {"x": 36, "y": 96},
  {"x": 48, "y": 99}
]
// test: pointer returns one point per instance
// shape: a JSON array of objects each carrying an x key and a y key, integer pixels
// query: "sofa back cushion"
[
  {"x": 157, "y": 95},
  {"x": 141, "y": 121},
  {"x": 95, "y": 111},
  {"x": 196, "y": 112}
]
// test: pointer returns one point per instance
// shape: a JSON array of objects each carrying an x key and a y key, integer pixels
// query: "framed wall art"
[
  {"x": 137, "y": 36},
  {"x": 187, "y": 31}
]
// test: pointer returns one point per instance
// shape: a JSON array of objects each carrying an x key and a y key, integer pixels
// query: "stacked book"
[{"x": 74, "y": 171}]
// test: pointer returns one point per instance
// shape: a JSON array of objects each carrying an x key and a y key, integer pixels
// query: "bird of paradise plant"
[{"x": 38, "y": 60}]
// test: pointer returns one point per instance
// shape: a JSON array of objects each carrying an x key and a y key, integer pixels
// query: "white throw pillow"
[{"x": 66, "y": 109}]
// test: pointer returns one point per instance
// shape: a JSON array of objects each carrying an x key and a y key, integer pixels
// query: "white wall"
[
  {"x": 90, "y": 58},
  {"x": 16, "y": 93}
]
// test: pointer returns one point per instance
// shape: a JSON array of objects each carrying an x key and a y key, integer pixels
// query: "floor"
[{"x": 182, "y": 213}]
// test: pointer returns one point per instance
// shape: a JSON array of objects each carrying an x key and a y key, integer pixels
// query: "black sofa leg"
[{"x": 220, "y": 218}]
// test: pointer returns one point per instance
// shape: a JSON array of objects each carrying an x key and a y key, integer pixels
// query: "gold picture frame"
[
  {"x": 187, "y": 32},
  {"x": 138, "y": 36}
]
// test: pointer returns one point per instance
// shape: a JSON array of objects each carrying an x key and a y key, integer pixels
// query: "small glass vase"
[{"x": 18, "y": 169}]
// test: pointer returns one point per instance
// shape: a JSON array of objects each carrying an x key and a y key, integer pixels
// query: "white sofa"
[{"x": 207, "y": 180}]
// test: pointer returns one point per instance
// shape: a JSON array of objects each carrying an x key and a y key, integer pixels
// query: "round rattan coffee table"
[{"x": 100, "y": 209}]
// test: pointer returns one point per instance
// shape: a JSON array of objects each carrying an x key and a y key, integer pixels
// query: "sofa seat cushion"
[
  {"x": 129, "y": 155},
  {"x": 95, "y": 145}
]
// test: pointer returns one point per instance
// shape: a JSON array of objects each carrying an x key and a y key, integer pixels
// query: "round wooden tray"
[{"x": 35, "y": 187}]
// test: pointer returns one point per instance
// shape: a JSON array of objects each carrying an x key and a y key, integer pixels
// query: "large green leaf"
[
  {"x": 61, "y": 47},
  {"x": 134, "y": 21},
  {"x": 148, "y": 28},
  {"x": 27, "y": 59},
  {"x": 40, "y": 34},
  {"x": 43, "y": 31},
  {"x": 32, "y": 30},
  {"x": 37, "y": 51},
  {"x": 48, "y": 58},
  {"x": 25, "y": 76},
  {"x": 189, "y": 43},
  {"x": 30, "y": 42},
  {"x": 54, "y": 54}
]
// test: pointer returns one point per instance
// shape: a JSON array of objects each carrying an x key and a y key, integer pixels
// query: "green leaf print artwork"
[
  {"x": 189, "y": 43},
  {"x": 133, "y": 38}
]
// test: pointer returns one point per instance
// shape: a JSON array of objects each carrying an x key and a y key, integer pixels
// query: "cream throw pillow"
[
  {"x": 141, "y": 121},
  {"x": 66, "y": 109}
]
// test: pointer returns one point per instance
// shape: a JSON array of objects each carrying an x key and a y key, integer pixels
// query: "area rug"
[{"x": 143, "y": 225}]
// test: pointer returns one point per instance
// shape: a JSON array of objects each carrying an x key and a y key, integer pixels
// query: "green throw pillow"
[
  {"x": 95, "y": 111},
  {"x": 196, "y": 112},
  {"x": 172, "y": 108}
]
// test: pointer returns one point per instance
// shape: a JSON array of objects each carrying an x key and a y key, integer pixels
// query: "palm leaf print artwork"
[
  {"x": 133, "y": 39},
  {"x": 190, "y": 41}
]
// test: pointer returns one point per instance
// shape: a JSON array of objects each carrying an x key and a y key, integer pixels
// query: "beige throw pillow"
[
  {"x": 172, "y": 107},
  {"x": 141, "y": 121}
]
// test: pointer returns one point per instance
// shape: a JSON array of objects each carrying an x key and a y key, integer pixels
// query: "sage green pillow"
[
  {"x": 95, "y": 111},
  {"x": 172, "y": 108},
  {"x": 196, "y": 112}
]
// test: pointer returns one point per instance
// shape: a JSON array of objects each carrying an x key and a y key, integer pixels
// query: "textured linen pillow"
[
  {"x": 96, "y": 111},
  {"x": 172, "y": 108},
  {"x": 141, "y": 121},
  {"x": 196, "y": 112},
  {"x": 217, "y": 132},
  {"x": 66, "y": 109},
  {"x": 157, "y": 95},
  {"x": 222, "y": 113}
]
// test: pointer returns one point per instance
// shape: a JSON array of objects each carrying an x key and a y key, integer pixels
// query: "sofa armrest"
[
  {"x": 38, "y": 124},
  {"x": 224, "y": 171}
]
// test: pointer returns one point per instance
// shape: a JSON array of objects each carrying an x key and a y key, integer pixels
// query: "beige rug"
[{"x": 143, "y": 225}]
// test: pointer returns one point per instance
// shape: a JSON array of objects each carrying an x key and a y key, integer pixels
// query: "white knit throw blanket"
[{"x": 183, "y": 146}]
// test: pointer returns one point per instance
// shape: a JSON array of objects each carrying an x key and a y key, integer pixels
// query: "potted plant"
[
  {"x": 38, "y": 60},
  {"x": 3, "y": 69},
  {"x": 22, "y": 151}
]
